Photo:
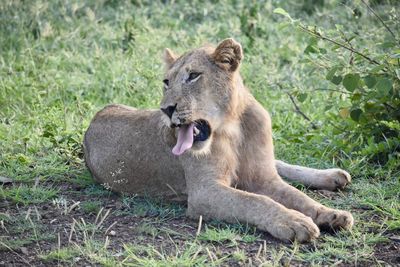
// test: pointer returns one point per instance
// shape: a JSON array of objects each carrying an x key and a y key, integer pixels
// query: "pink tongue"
[{"x": 185, "y": 139}]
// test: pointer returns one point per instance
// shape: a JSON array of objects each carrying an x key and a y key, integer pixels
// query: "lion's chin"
[{"x": 191, "y": 135}]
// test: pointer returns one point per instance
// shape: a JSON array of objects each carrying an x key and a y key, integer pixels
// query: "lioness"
[{"x": 211, "y": 143}]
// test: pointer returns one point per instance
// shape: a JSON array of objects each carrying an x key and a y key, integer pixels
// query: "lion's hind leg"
[{"x": 329, "y": 179}]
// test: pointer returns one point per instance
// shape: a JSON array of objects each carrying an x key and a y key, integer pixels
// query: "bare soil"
[{"x": 121, "y": 227}]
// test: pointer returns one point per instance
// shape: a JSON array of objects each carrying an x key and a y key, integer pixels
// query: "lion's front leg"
[
  {"x": 293, "y": 198},
  {"x": 329, "y": 179},
  {"x": 232, "y": 205}
]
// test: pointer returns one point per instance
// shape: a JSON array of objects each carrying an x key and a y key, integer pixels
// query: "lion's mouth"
[{"x": 196, "y": 131}]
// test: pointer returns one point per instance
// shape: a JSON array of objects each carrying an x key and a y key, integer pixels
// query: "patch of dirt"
[
  {"x": 389, "y": 253},
  {"x": 63, "y": 227},
  {"x": 121, "y": 226}
]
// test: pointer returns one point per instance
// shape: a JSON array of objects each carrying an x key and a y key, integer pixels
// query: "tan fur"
[{"x": 232, "y": 176}]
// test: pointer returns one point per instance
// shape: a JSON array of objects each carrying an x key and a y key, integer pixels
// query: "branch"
[
  {"x": 381, "y": 20},
  {"x": 298, "y": 110},
  {"x": 317, "y": 34},
  {"x": 333, "y": 90}
]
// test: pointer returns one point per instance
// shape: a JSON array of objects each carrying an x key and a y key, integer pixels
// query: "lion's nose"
[{"x": 169, "y": 110}]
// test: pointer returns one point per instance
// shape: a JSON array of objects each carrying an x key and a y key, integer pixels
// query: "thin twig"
[
  {"x": 317, "y": 34},
  {"x": 333, "y": 90},
  {"x": 298, "y": 110},
  {"x": 313, "y": 125},
  {"x": 381, "y": 20},
  {"x": 388, "y": 105},
  {"x": 347, "y": 40}
]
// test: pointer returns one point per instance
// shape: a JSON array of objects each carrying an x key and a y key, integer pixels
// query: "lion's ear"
[
  {"x": 228, "y": 54},
  {"x": 169, "y": 58}
]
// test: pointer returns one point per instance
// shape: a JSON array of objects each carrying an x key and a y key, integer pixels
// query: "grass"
[
  {"x": 227, "y": 235},
  {"x": 148, "y": 256},
  {"x": 26, "y": 225},
  {"x": 24, "y": 194},
  {"x": 144, "y": 206},
  {"x": 91, "y": 207},
  {"x": 61, "y": 61}
]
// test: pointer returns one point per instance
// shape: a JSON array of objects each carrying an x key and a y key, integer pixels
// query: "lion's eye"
[
  {"x": 193, "y": 76},
  {"x": 166, "y": 82}
]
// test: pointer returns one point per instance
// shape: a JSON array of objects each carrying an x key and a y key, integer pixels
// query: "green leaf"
[
  {"x": 356, "y": 96},
  {"x": 355, "y": 114},
  {"x": 369, "y": 105},
  {"x": 283, "y": 25},
  {"x": 311, "y": 49},
  {"x": 339, "y": 27},
  {"x": 283, "y": 12},
  {"x": 384, "y": 86},
  {"x": 322, "y": 50},
  {"x": 336, "y": 79},
  {"x": 302, "y": 97},
  {"x": 377, "y": 68},
  {"x": 22, "y": 158},
  {"x": 388, "y": 44},
  {"x": 331, "y": 73},
  {"x": 350, "y": 81},
  {"x": 370, "y": 81}
]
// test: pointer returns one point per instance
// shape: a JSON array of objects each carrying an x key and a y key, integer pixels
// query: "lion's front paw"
[
  {"x": 296, "y": 226},
  {"x": 335, "y": 179},
  {"x": 334, "y": 219}
]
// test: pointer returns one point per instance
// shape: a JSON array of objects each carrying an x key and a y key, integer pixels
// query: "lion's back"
[{"x": 125, "y": 151}]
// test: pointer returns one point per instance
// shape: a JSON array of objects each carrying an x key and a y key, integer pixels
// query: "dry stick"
[
  {"x": 72, "y": 230},
  {"x": 199, "y": 226},
  {"x": 109, "y": 228},
  {"x": 381, "y": 20},
  {"x": 301, "y": 112}
]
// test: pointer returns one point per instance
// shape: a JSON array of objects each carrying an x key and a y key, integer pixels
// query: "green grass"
[
  {"x": 24, "y": 194},
  {"x": 23, "y": 230},
  {"x": 61, "y": 61},
  {"x": 227, "y": 235},
  {"x": 91, "y": 207},
  {"x": 144, "y": 206},
  {"x": 63, "y": 255},
  {"x": 148, "y": 256}
]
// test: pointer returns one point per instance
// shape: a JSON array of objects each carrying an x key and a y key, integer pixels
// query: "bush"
[{"x": 366, "y": 76}]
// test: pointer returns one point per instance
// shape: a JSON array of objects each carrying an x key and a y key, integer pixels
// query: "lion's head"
[{"x": 201, "y": 93}]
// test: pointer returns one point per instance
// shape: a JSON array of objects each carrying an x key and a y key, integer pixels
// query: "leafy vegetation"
[
  {"x": 363, "y": 68},
  {"x": 332, "y": 104}
]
